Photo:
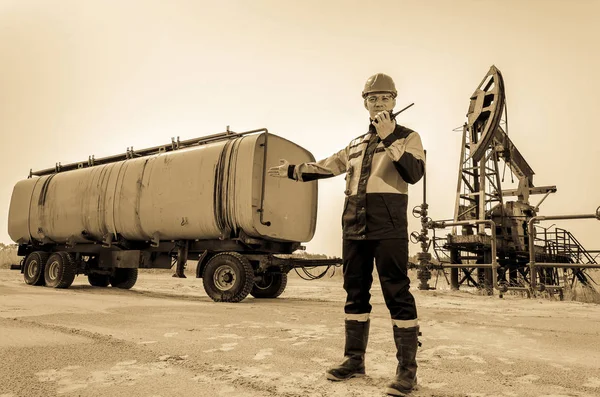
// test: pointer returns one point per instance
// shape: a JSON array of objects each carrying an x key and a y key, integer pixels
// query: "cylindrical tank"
[{"x": 201, "y": 192}]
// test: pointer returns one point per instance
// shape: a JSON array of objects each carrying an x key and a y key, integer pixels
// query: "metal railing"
[
  {"x": 175, "y": 144},
  {"x": 533, "y": 265}
]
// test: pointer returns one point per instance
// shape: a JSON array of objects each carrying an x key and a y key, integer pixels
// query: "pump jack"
[{"x": 494, "y": 243}]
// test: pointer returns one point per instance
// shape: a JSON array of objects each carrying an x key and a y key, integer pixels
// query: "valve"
[
  {"x": 417, "y": 211},
  {"x": 425, "y": 222},
  {"x": 598, "y": 213},
  {"x": 415, "y": 237},
  {"x": 420, "y": 210}
]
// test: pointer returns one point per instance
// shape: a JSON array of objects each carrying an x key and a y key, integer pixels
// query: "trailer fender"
[{"x": 202, "y": 260}]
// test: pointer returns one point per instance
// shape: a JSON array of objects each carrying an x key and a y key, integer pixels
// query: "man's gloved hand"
[
  {"x": 280, "y": 171},
  {"x": 384, "y": 124}
]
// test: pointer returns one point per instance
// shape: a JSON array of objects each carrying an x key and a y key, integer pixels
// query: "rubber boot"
[
  {"x": 407, "y": 341},
  {"x": 357, "y": 336}
]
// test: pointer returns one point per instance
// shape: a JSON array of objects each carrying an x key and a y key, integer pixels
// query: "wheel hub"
[
  {"x": 224, "y": 277},
  {"x": 32, "y": 269},
  {"x": 53, "y": 270},
  {"x": 265, "y": 281}
]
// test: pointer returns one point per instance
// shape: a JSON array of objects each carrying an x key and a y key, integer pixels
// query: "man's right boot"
[{"x": 357, "y": 336}]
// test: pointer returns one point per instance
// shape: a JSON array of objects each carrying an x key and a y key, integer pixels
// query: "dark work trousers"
[{"x": 391, "y": 259}]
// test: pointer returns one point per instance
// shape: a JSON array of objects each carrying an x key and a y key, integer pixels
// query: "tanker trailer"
[{"x": 207, "y": 199}]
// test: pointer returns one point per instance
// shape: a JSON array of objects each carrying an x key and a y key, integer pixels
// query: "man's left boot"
[{"x": 407, "y": 341}]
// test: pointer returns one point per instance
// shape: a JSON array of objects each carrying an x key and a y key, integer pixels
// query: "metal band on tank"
[
  {"x": 42, "y": 209},
  {"x": 224, "y": 192},
  {"x": 218, "y": 204},
  {"x": 114, "y": 200},
  {"x": 29, "y": 210},
  {"x": 230, "y": 216}
]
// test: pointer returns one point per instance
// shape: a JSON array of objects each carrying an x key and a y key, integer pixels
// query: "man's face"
[{"x": 378, "y": 102}]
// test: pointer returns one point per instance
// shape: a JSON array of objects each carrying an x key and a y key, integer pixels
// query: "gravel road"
[{"x": 166, "y": 338}]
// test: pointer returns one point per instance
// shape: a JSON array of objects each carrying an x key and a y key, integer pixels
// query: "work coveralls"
[{"x": 374, "y": 217}]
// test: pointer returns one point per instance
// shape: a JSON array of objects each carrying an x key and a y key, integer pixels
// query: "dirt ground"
[{"x": 165, "y": 337}]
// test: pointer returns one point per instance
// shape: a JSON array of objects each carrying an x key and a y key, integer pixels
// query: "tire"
[
  {"x": 33, "y": 268},
  {"x": 124, "y": 278},
  {"x": 271, "y": 285},
  {"x": 228, "y": 277},
  {"x": 60, "y": 270},
  {"x": 99, "y": 280}
]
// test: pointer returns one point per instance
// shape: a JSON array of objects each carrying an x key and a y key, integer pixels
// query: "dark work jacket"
[{"x": 377, "y": 177}]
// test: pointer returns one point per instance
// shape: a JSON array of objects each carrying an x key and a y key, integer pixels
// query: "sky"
[{"x": 95, "y": 77}]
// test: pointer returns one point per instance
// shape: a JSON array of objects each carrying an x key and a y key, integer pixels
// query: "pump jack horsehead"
[{"x": 494, "y": 243}]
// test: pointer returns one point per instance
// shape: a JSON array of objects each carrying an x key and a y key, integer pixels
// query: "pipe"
[
  {"x": 144, "y": 152},
  {"x": 569, "y": 265},
  {"x": 461, "y": 265},
  {"x": 261, "y": 210}
]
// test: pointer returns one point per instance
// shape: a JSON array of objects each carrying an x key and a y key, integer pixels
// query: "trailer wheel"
[
  {"x": 99, "y": 280},
  {"x": 228, "y": 277},
  {"x": 60, "y": 270},
  {"x": 271, "y": 285},
  {"x": 33, "y": 268},
  {"x": 124, "y": 278}
]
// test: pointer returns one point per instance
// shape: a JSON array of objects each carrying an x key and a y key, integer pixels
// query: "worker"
[{"x": 378, "y": 165}]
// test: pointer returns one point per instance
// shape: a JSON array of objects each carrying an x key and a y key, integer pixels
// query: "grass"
[
  {"x": 8, "y": 256},
  {"x": 582, "y": 294}
]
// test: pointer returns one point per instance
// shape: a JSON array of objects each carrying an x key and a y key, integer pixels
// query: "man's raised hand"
[{"x": 280, "y": 171}]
